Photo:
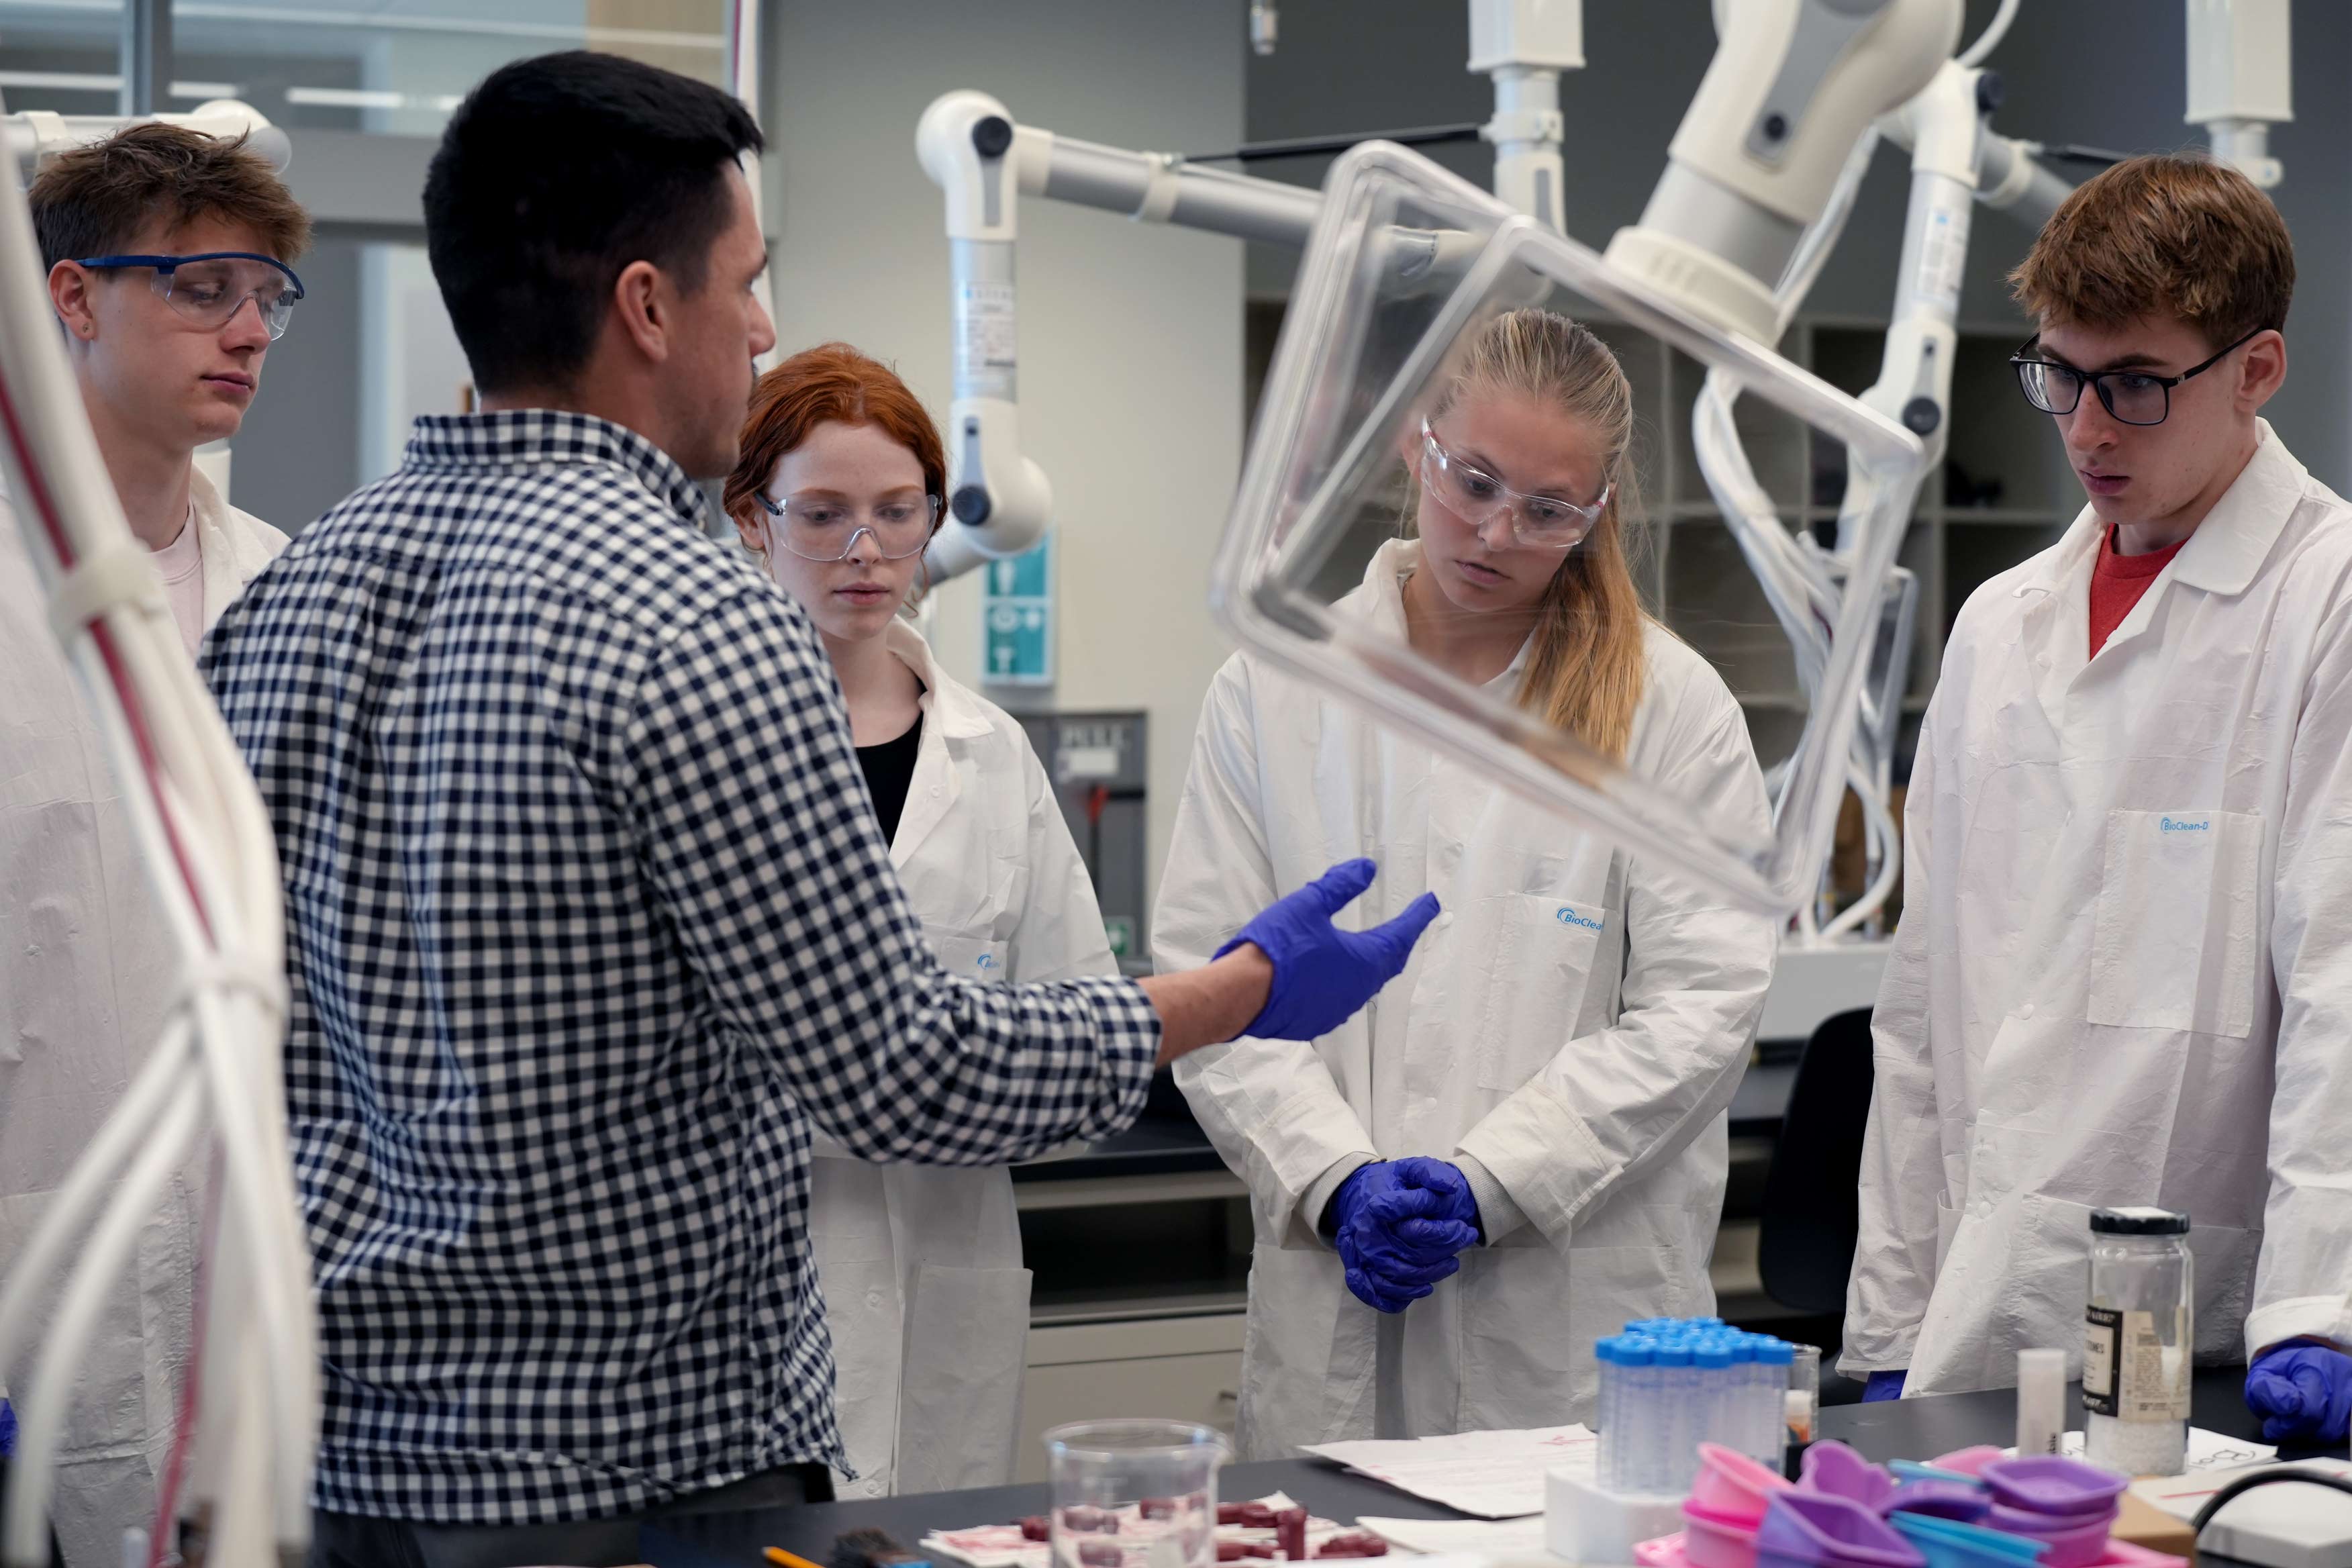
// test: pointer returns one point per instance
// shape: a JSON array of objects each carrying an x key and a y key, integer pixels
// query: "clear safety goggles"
[
  {"x": 211, "y": 288},
  {"x": 826, "y": 528},
  {"x": 1543, "y": 522}
]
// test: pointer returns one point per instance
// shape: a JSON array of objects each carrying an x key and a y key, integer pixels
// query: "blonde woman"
[{"x": 1542, "y": 1092}]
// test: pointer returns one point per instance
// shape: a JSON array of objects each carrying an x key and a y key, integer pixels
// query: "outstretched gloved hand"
[
  {"x": 1323, "y": 976},
  {"x": 1398, "y": 1225},
  {"x": 2302, "y": 1392}
]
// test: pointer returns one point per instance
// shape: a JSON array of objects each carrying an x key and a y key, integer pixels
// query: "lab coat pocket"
[
  {"x": 972, "y": 958},
  {"x": 1948, "y": 1225},
  {"x": 2177, "y": 936},
  {"x": 1539, "y": 953},
  {"x": 967, "y": 1348}
]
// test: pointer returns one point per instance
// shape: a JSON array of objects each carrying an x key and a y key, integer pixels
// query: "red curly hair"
[{"x": 832, "y": 381}]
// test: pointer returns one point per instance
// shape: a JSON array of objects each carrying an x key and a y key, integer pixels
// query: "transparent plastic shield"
[{"x": 1397, "y": 487}]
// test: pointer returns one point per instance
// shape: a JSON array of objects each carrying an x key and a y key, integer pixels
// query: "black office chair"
[{"x": 1805, "y": 1248}]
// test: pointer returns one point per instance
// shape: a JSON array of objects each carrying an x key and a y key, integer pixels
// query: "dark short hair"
[
  {"x": 94, "y": 200},
  {"x": 556, "y": 174},
  {"x": 2168, "y": 233}
]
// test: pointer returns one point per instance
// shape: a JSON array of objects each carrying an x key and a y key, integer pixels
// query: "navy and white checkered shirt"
[{"x": 590, "y": 921}]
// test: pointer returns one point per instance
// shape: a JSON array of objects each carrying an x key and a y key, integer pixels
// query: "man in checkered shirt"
[{"x": 590, "y": 918}]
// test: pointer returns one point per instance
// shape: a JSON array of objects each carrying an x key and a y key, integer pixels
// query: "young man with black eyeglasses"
[
  {"x": 170, "y": 259},
  {"x": 2124, "y": 973}
]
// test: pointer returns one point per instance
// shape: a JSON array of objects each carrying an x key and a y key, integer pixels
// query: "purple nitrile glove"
[
  {"x": 1884, "y": 1386},
  {"x": 1323, "y": 976},
  {"x": 1391, "y": 1223},
  {"x": 2302, "y": 1393}
]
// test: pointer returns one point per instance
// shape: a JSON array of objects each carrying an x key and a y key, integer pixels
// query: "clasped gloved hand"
[
  {"x": 1323, "y": 976},
  {"x": 2302, "y": 1393},
  {"x": 1398, "y": 1225}
]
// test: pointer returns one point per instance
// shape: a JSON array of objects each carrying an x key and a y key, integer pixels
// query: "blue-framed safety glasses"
[{"x": 210, "y": 287}]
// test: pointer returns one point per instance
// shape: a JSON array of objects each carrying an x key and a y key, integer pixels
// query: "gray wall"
[
  {"x": 2104, "y": 73},
  {"x": 1130, "y": 337},
  {"x": 298, "y": 453}
]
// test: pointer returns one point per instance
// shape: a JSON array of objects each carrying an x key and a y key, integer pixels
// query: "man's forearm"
[{"x": 1212, "y": 1004}]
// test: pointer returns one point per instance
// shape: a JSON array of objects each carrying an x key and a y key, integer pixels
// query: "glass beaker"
[{"x": 1135, "y": 1494}]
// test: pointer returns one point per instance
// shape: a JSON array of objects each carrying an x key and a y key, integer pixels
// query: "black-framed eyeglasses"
[
  {"x": 209, "y": 288},
  {"x": 2133, "y": 396}
]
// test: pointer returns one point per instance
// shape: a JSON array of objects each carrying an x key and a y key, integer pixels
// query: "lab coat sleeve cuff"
[
  {"x": 1538, "y": 1147},
  {"x": 1499, "y": 1214},
  {"x": 1319, "y": 1194},
  {"x": 2316, "y": 1317}
]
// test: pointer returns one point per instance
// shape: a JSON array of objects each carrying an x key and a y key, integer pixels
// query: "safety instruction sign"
[{"x": 1017, "y": 619}]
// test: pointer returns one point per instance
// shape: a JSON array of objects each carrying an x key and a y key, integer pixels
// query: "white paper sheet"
[
  {"x": 2181, "y": 1496},
  {"x": 1495, "y": 1475},
  {"x": 2207, "y": 1451}
]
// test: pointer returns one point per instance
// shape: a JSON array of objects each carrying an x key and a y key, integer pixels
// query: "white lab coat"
[
  {"x": 2124, "y": 973},
  {"x": 1571, "y": 1029},
  {"x": 86, "y": 969},
  {"x": 921, "y": 1266}
]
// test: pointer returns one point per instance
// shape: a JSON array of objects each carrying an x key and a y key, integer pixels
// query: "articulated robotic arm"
[
  {"x": 1000, "y": 500},
  {"x": 1793, "y": 86},
  {"x": 216, "y": 1080},
  {"x": 1755, "y": 162},
  {"x": 36, "y": 135}
]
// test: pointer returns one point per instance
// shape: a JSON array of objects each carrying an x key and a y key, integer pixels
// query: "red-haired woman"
[{"x": 837, "y": 491}]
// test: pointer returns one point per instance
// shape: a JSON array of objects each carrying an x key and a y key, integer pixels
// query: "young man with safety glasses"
[
  {"x": 2124, "y": 973},
  {"x": 169, "y": 257}
]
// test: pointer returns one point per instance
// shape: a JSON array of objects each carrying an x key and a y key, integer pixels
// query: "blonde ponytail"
[{"x": 1584, "y": 672}]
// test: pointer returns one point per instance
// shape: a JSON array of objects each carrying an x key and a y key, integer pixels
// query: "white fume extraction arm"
[
  {"x": 36, "y": 135},
  {"x": 214, "y": 1082},
  {"x": 970, "y": 146},
  {"x": 2241, "y": 79},
  {"x": 1954, "y": 154},
  {"x": 1793, "y": 86},
  {"x": 985, "y": 160}
]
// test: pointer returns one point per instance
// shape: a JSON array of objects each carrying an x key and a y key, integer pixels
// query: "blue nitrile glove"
[
  {"x": 2302, "y": 1392},
  {"x": 7, "y": 1430},
  {"x": 1458, "y": 1206},
  {"x": 1884, "y": 1386},
  {"x": 1323, "y": 976},
  {"x": 1391, "y": 1223}
]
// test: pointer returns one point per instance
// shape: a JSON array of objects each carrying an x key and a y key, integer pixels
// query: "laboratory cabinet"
[
  {"x": 1139, "y": 1248},
  {"x": 1186, "y": 1368}
]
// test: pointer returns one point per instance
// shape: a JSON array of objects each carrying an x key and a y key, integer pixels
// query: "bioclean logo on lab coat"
[
  {"x": 2175, "y": 825},
  {"x": 1568, "y": 917}
]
